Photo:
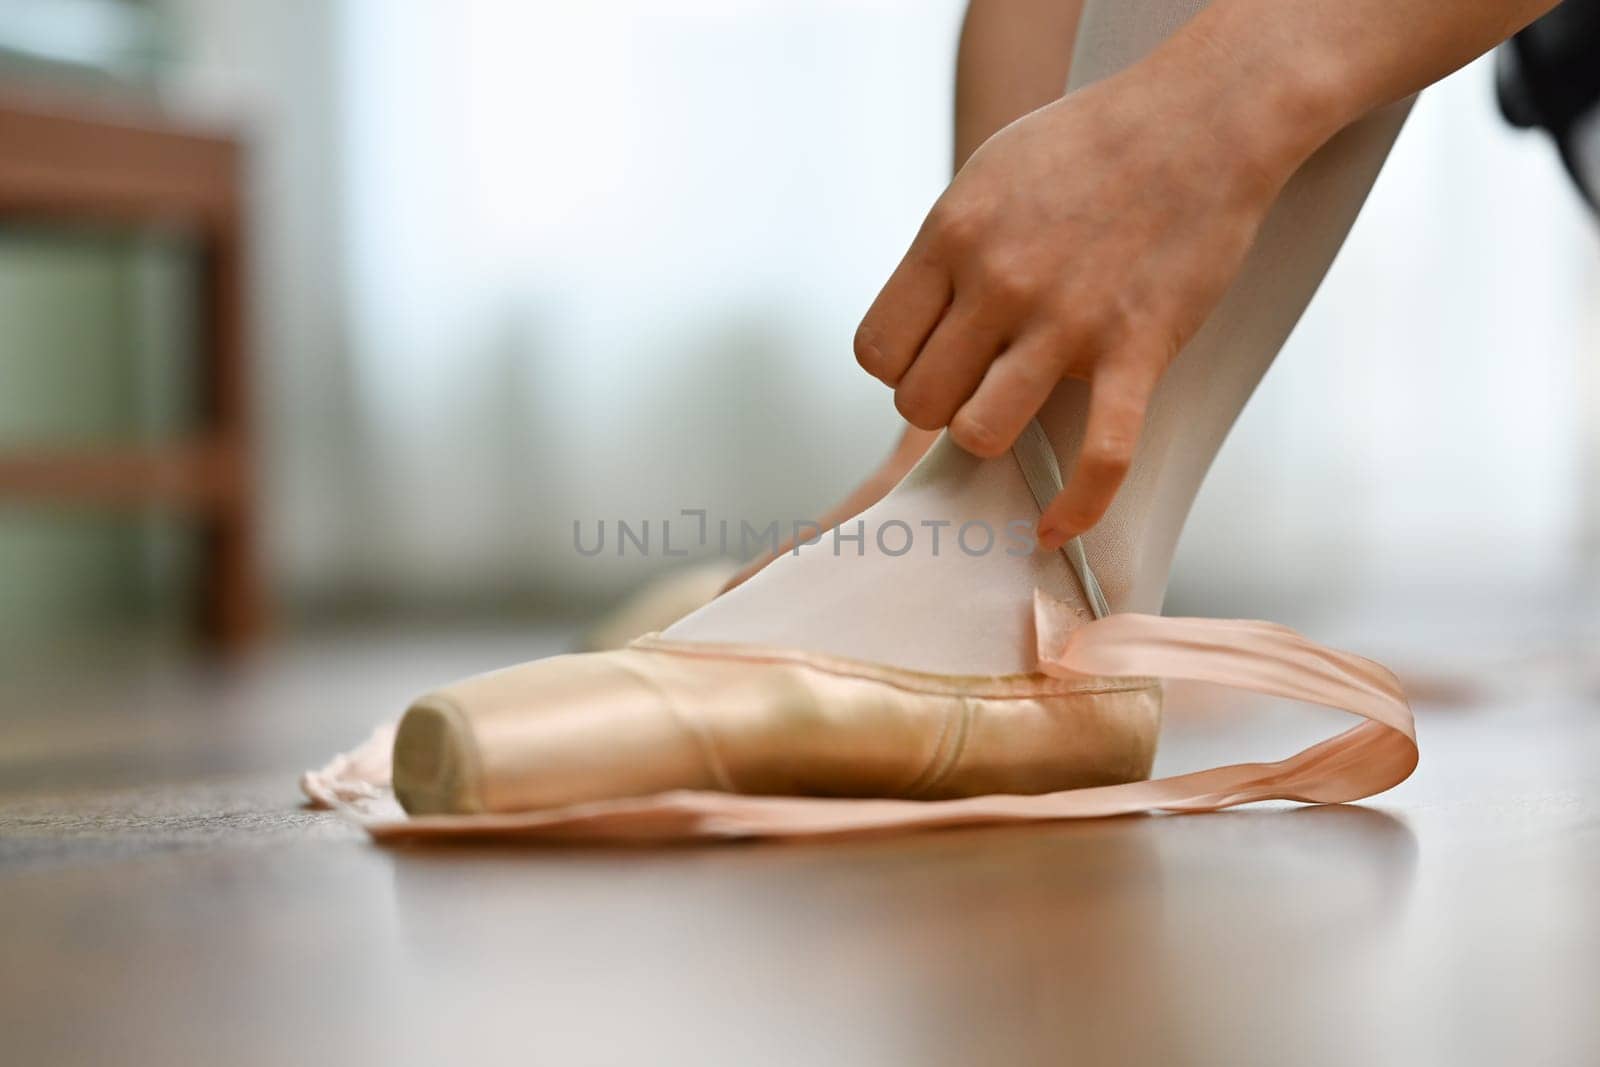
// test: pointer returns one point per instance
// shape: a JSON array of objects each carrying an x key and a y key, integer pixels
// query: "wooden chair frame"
[{"x": 66, "y": 166}]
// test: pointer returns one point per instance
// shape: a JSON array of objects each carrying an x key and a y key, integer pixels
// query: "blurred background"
[{"x": 507, "y": 265}]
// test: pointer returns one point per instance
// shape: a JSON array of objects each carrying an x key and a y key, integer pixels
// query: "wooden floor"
[{"x": 164, "y": 900}]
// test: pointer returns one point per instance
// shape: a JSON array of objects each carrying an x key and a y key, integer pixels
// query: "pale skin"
[{"x": 1090, "y": 238}]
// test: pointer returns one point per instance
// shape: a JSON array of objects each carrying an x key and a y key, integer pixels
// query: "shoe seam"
[
  {"x": 703, "y": 739},
  {"x": 1044, "y": 687},
  {"x": 942, "y": 764}
]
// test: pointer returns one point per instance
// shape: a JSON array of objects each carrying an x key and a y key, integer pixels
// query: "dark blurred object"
[
  {"x": 1549, "y": 77},
  {"x": 74, "y": 167}
]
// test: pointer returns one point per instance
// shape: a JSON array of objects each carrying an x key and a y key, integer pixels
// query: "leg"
[
  {"x": 936, "y": 608},
  {"x": 1197, "y": 403}
]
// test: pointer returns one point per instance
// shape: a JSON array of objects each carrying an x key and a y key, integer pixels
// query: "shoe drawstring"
[{"x": 1037, "y": 459}]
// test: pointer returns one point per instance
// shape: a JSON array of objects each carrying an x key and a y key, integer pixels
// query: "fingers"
[
  {"x": 1118, "y": 398},
  {"x": 949, "y": 366},
  {"x": 903, "y": 316},
  {"x": 1012, "y": 392}
]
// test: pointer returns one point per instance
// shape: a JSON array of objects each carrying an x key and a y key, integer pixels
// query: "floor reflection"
[{"x": 1151, "y": 935}]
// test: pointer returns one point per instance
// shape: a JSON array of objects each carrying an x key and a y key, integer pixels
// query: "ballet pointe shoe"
[
  {"x": 686, "y": 741},
  {"x": 660, "y": 715}
]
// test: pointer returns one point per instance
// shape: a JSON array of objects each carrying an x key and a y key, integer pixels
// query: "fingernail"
[
  {"x": 867, "y": 352},
  {"x": 1050, "y": 538}
]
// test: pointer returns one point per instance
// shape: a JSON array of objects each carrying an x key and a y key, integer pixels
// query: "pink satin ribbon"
[{"x": 1261, "y": 657}]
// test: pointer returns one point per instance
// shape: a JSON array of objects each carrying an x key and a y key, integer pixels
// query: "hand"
[{"x": 1090, "y": 240}]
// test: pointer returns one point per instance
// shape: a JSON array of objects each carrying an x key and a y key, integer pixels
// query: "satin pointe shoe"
[
  {"x": 662, "y": 715},
  {"x": 677, "y": 741}
]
